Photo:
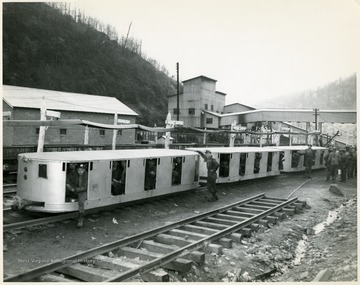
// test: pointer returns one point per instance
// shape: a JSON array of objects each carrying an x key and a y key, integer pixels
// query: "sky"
[{"x": 255, "y": 49}]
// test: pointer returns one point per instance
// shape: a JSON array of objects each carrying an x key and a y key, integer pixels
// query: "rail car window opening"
[
  {"x": 150, "y": 174},
  {"x": 76, "y": 180},
  {"x": 242, "y": 167},
  {"x": 257, "y": 160},
  {"x": 281, "y": 160},
  {"x": 176, "y": 170},
  {"x": 43, "y": 171},
  {"x": 118, "y": 177},
  {"x": 224, "y": 165},
  {"x": 295, "y": 158},
  {"x": 269, "y": 161},
  {"x": 322, "y": 157}
]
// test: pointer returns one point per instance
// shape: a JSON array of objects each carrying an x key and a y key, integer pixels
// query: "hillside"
[
  {"x": 44, "y": 48},
  {"x": 337, "y": 95}
]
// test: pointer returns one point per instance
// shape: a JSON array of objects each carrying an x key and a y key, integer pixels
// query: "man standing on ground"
[
  {"x": 79, "y": 187},
  {"x": 212, "y": 166},
  {"x": 309, "y": 160}
]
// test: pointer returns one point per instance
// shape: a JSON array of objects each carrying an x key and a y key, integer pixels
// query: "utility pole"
[
  {"x": 177, "y": 94},
  {"x": 316, "y": 114},
  {"x": 316, "y": 125}
]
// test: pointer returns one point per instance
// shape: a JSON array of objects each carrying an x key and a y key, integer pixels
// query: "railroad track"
[
  {"x": 14, "y": 220},
  {"x": 173, "y": 247}
]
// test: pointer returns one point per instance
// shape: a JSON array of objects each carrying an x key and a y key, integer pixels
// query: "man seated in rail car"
[
  {"x": 176, "y": 171},
  {"x": 78, "y": 186},
  {"x": 118, "y": 178},
  {"x": 257, "y": 160},
  {"x": 242, "y": 164},
  {"x": 281, "y": 160},
  {"x": 150, "y": 174},
  {"x": 295, "y": 158},
  {"x": 71, "y": 178},
  {"x": 269, "y": 161},
  {"x": 224, "y": 165}
]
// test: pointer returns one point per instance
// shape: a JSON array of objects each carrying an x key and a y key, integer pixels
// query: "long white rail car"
[
  {"x": 292, "y": 158},
  {"x": 41, "y": 180},
  {"x": 241, "y": 163}
]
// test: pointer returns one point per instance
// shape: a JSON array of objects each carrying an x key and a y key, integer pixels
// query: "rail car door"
[
  {"x": 234, "y": 166},
  {"x": 188, "y": 169},
  {"x": 164, "y": 174},
  {"x": 135, "y": 176},
  {"x": 99, "y": 180}
]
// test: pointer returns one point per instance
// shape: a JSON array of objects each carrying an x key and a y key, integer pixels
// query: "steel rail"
[
  {"x": 196, "y": 245},
  {"x": 38, "y": 271},
  {"x": 60, "y": 217},
  {"x": 39, "y": 221}
]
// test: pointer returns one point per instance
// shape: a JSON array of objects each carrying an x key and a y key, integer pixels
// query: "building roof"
[
  {"x": 175, "y": 94},
  {"x": 24, "y": 97},
  {"x": 201, "y": 76},
  {"x": 211, "y": 113},
  {"x": 118, "y": 154},
  {"x": 252, "y": 108}
]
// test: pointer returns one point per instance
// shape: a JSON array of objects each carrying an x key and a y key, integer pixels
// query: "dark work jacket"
[{"x": 212, "y": 166}]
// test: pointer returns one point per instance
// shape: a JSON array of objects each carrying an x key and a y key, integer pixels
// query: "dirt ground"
[{"x": 323, "y": 236}]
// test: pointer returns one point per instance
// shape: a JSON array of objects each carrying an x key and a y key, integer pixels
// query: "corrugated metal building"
[{"x": 22, "y": 103}]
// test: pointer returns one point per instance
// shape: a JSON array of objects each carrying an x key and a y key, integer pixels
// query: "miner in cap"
[{"x": 212, "y": 166}]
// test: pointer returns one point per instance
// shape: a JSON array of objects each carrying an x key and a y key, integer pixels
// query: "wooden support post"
[
  {"x": 167, "y": 134},
  {"x": 232, "y": 136},
  {"x": 114, "y": 132},
  {"x": 41, "y": 140},
  {"x": 86, "y": 135},
  {"x": 204, "y": 139}
]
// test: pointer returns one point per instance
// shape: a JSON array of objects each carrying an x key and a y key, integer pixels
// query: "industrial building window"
[
  {"x": 206, "y": 106},
  {"x": 102, "y": 132},
  {"x": 63, "y": 132},
  {"x": 175, "y": 111},
  {"x": 212, "y": 107},
  {"x": 191, "y": 111},
  {"x": 37, "y": 131},
  {"x": 209, "y": 120}
]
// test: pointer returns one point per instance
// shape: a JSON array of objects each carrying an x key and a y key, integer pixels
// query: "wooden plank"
[
  {"x": 179, "y": 264},
  {"x": 173, "y": 240},
  {"x": 198, "y": 229},
  {"x": 122, "y": 265},
  {"x": 236, "y": 217},
  {"x": 196, "y": 256},
  {"x": 151, "y": 245},
  {"x": 210, "y": 225},
  {"x": 221, "y": 221},
  {"x": 86, "y": 273},
  {"x": 53, "y": 278},
  {"x": 247, "y": 212},
  {"x": 187, "y": 234},
  {"x": 142, "y": 254}
]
